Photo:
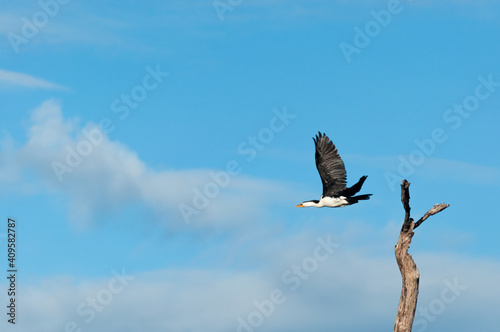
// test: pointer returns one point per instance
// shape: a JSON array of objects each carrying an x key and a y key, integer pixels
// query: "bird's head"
[{"x": 308, "y": 203}]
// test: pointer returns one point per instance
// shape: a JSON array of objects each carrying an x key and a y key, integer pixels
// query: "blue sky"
[{"x": 117, "y": 117}]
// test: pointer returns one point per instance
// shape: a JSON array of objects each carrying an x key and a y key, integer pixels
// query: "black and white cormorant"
[{"x": 333, "y": 176}]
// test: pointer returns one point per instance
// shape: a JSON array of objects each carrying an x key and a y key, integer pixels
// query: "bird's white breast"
[{"x": 333, "y": 201}]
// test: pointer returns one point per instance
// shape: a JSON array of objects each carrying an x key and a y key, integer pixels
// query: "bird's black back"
[{"x": 330, "y": 166}]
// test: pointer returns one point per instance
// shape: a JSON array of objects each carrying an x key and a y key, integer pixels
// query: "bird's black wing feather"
[{"x": 330, "y": 166}]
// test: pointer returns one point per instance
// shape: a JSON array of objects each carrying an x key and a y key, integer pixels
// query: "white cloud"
[
  {"x": 84, "y": 23},
  {"x": 105, "y": 178},
  {"x": 7, "y": 23},
  {"x": 459, "y": 171},
  {"x": 434, "y": 169},
  {"x": 348, "y": 285},
  {"x": 11, "y": 78}
]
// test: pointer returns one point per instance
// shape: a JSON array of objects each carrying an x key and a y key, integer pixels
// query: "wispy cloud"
[
  {"x": 127, "y": 24},
  {"x": 111, "y": 178},
  {"x": 350, "y": 283},
  {"x": 437, "y": 168},
  {"x": 7, "y": 23},
  {"x": 293, "y": 10},
  {"x": 16, "y": 79}
]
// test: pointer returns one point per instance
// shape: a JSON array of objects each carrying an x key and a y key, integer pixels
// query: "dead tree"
[{"x": 408, "y": 268}]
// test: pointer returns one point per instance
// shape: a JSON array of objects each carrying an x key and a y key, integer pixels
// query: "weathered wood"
[
  {"x": 435, "y": 209},
  {"x": 407, "y": 266}
]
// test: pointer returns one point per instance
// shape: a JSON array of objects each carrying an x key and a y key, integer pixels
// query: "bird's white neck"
[{"x": 313, "y": 203}]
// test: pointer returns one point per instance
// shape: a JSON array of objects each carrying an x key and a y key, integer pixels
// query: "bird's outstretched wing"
[{"x": 330, "y": 166}]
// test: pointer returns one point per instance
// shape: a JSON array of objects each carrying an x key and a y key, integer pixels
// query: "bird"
[{"x": 332, "y": 171}]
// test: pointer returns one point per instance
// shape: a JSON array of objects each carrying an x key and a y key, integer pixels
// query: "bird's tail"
[
  {"x": 356, "y": 188},
  {"x": 355, "y": 199}
]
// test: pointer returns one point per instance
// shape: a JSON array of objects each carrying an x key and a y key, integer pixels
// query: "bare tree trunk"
[{"x": 408, "y": 268}]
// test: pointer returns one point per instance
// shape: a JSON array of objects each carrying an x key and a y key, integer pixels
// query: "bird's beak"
[{"x": 300, "y": 205}]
